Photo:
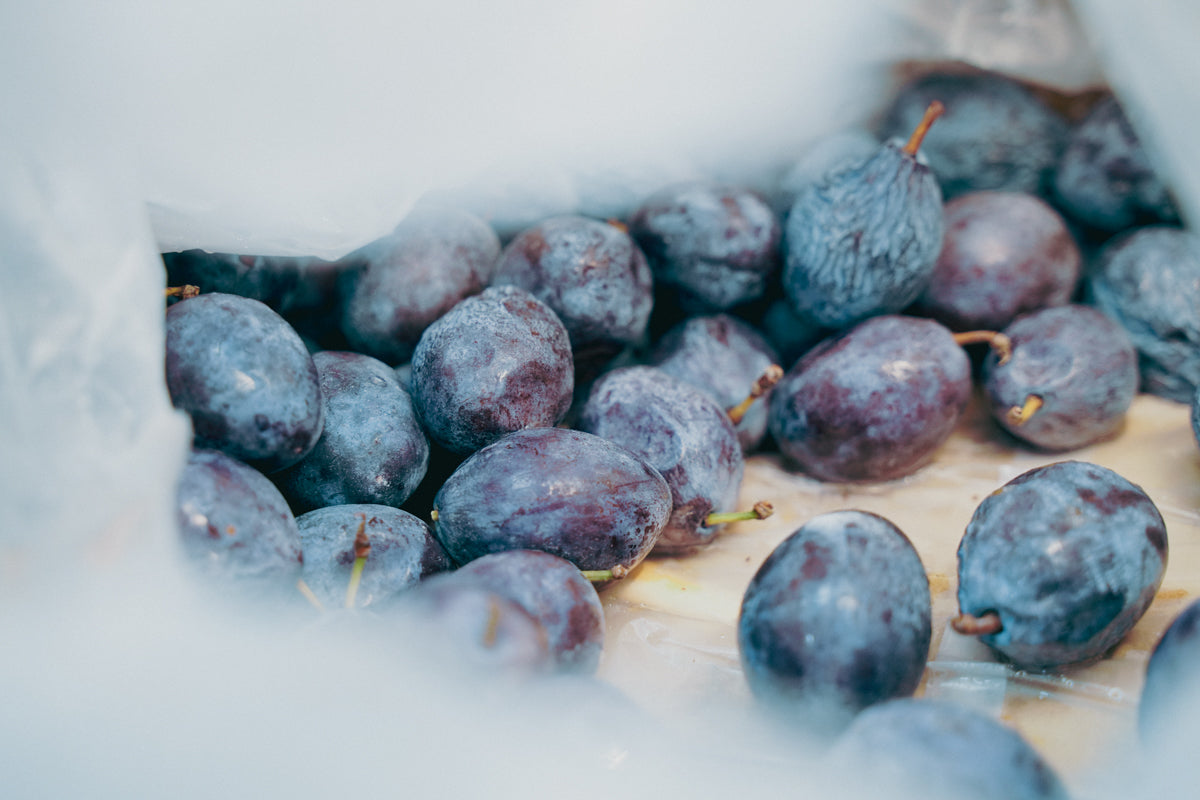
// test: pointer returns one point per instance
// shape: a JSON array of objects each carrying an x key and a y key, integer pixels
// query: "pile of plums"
[{"x": 483, "y": 433}]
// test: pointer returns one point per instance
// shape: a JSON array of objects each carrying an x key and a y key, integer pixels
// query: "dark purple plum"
[
  {"x": 1004, "y": 254},
  {"x": 873, "y": 403},
  {"x": 472, "y": 629},
  {"x": 592, "y": 275},
  {"x": 837, "y": 618},
  {"x": 562, "y": 491},
  {"x": 1170, "y": 695},
  {"x": 1057, "y": 565},
  {"x": 1070, "y": 379},
  {"x": 402, "y": 552},
  {"x": 864, "y": 240},
  {"x": 940, "y": 750},
  {"x": 1105, "y": 179},
  {"x": 679, "y": 431},
  {"x": 716, "y": 245},
  {"x": 395, "y": 287},
  {"x": 496, "y": 363},
  {"x": 1149, "y": 281},
  {"x": 245, "y": 377},
  {"x": 235, "y": 527},
  {"x": 722, "y": 356},
  {"x": 555, "y": 593},
  {"x": 995, "y": 134},
  {"x": 372, "y": 449}
]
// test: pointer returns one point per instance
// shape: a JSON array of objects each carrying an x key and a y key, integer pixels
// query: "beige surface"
[{"x": 671, "y": 625}]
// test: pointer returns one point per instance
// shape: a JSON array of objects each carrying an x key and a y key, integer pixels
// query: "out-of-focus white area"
[{"x": 312, "y": 127}]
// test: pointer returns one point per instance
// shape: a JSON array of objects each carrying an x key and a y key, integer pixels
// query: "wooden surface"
[{"x": 671, "y": 625}]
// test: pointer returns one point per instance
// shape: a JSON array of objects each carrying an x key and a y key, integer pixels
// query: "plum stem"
[
  {"x": 970, "y": 625},
  {"x": 618, "y": 224},
  {"x": 184, "y": 292},
  {"x": 601, "y": 575},
  {"x": 935, "y": 110},
  {"x": 1000, "y": 343},
  {"x": 769, "y": 378},
  {"x": 493, "y": 625},
  {"x": 362, "y": 549},
  {"x": 761, "y": 510},
  {"x": 1019, "y": 415},
  {"x": 309, "y": 595}
]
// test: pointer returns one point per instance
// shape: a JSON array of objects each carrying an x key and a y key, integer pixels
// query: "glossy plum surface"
[
  {"x": 496, "y": 363},
  {"x": 566, "y": 492},
  {"x": 873, "y": 403},
  {"x": 372, "y": 448},
  {"x": 246, "y": 379},
  {"x": 682, "y": 433},
  {"x": 1079, "y": 365},
  {"x": 836, "y": 619},
  {"x": 1068, "y": 556},
  {"x": 403, "y": 552}
]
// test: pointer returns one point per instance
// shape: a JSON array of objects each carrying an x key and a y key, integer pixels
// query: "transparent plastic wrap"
[{"x": 312, "y": 130}]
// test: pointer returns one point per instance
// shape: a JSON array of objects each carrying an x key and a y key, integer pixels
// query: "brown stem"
[
  {"x": 969, "y": 625},
  {"x": 1019, "y": 415},
  {"x": 999, "y": 342},
  {"x": 935, "y": 110},
  {"x": 769, "y": 378},
  {"x": 362, "y": 549},
  {"x": 184, "y": 292}
]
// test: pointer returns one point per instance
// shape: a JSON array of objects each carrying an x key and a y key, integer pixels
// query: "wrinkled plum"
[
  {"x": 246, "y": 379},
  {"x": 996, "y": 133},
  {"x": 722, "y": 356},
  {"x": 1171, "y": 690},
  {"x": 372, "y": 448},
  {"x": 392, "y": 289},
  {"x": 713, "y": 244},
  {"x": 679, "y": 431},
  {"x": 837, "y": 618},
  {"x": 555, "y": 593},
  {"x": 1058, "y": 564},
  {"x": 235, "y": 527},
  {"x": 402, "y": 552},
  {"x": 1004, "y": 254},
  {"x": 566, "y": 492},
  {"x": 1070, "y": 379},
  {"x": 864, "y": 240},
  {"x": 824, "y": 156},
  {"x": 592, "y": 275},
  {"x": 873, "y": 403},
  {"x": 1104, "y": 177},
  {"x": 940, "y": 750},
  {"x": 496, "y": 363},
  {"x": 1149, "y": 281}
]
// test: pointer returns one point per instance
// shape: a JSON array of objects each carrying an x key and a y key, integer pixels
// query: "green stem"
[
  {"x": 602, "y": 575},
  {"x": 761, "y": 510}
]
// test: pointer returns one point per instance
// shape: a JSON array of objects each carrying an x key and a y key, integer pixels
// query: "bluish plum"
[
  {"x": 996, "y": 133},
  {"x": 555, "y": 593},
  {"x": 1105, "y": 178},
  {"x": 285, "y": 283},
  {"x": 1004, "y": 254},
  {"x": 790, "y": 334},
  {"x": 837, "y": 618},
  {"x": 372, "y": 448},
  {"x": 722, "y": 356},
  {"x": 392, "y": 289},
  {"x": 681, "y": 432},
  {"x": 716, "y": 245},
  {"x": 1149, "y": 281},
  {"x": 245, "y": 377},
  {"x": 873, "y": 403},
  {"x": 235, "y": 527},
  {"x": 593, "y": 276},
  {"x": 1057, "y": 565},
  {"x": 1070, "y": 379},
  {"x": 496, "y": 363},
  {"x": 939, "y": 750},
  {"x": 402, "y": 552},
  {"x": 1196, "y": 415},
  {"x": 825, "y": 155},
  {"x": 566, "y": 492},
  {"x": 1171, "y": 690},
  {"x": 864, "y": 240}
]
